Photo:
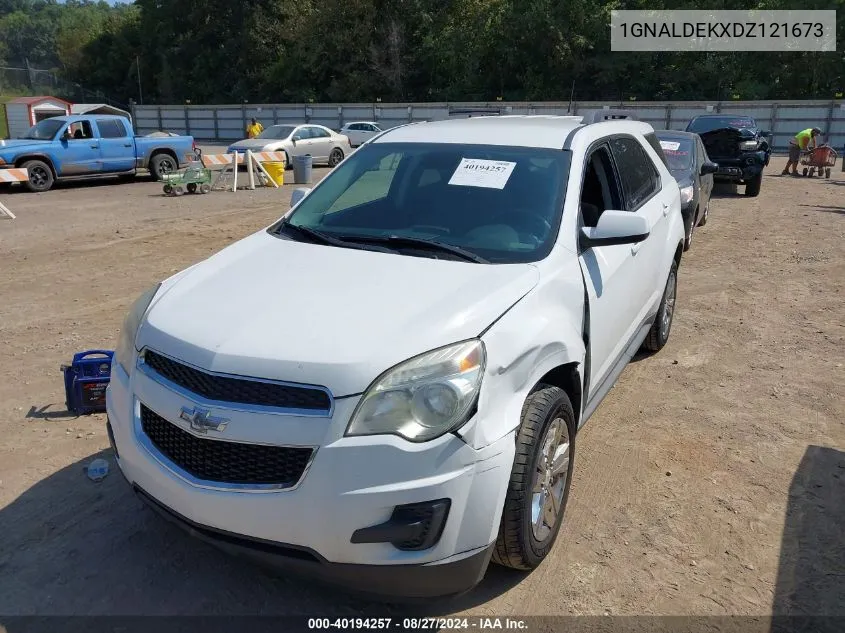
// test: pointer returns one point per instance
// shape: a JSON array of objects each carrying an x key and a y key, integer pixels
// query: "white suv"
[{"x": 383, "y": 389}]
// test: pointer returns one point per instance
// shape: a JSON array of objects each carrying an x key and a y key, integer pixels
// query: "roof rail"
[
  {"x": 469, "y": 112},
  {"x": 597, "y": 116}
]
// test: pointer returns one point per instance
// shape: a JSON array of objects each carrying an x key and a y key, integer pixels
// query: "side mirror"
[
  {"x": 298, "y": 194},
  {"x": 615, "y": 227},
  {"x": 66, "y": 135},
  {"x": 709, "y": 168}
]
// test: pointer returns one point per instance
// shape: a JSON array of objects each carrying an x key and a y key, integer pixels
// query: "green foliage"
[{"x": 392, "y": 50}]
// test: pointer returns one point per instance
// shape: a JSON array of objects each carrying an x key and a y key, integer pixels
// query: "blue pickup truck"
[{"x": 75, "y": 147}]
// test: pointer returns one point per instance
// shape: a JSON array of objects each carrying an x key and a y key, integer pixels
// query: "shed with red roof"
[{"x": 24, "y": 112}]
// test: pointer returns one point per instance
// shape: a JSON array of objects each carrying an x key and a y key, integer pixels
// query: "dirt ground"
[{"x": 711, "y": 481}]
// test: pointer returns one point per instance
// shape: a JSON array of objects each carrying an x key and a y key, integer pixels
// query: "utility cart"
[
  {"x": 196, "y": 178},
  {"x": 819, "y": 160}
]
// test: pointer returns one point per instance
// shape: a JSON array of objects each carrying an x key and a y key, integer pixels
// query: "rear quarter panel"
[{"x": 182, "y": 147}]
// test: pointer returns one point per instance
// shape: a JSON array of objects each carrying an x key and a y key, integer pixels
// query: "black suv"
[{"x": 738, "y": 145}]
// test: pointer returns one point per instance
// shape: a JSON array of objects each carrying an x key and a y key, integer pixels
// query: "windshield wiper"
[
  {"x": 418, "y": 242},
  {"x": 323, "y": 238}
]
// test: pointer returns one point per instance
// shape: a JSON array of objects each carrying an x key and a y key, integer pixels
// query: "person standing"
[
  {"x": 801, "y": 143},
  {"x": 254, "y": 129}
]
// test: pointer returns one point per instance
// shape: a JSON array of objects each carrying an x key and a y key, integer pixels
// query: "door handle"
[
  {"x": 94, "y": 146},
  {"x": 127, "y": 145}
]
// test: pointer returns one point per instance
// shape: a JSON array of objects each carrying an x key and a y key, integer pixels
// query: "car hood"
[
  {"x": 254, "y": 143},
  {"x": 273, "y": 308},
  {"x": 21, "y": 143}
]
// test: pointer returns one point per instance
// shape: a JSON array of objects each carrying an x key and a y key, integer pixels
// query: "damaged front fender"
[{"x": 539, "y": 334}]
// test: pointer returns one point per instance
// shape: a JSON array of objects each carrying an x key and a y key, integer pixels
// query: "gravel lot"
[{"x": 710, "y": 481}]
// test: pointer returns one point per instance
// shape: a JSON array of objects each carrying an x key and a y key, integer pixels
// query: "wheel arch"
[
  {"x": 20, "y": 161},
  {"x": 568, "y": 378},
  {"x": 162, "y": 150}
]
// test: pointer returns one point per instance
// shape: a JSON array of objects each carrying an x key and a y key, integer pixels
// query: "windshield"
[
  {"x": 701, "y": 125},
  {"x": 44, "y": 130},
  {"x": 678, "y": 152},
  {"x": 277, "y": 132},
  {"x": 502, "y": 204}
]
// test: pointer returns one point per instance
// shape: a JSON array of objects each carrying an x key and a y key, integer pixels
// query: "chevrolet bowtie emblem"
[{"x": 201, "y": 420}]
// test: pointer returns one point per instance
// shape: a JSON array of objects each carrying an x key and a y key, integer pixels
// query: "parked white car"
[
  {"x": 359, "y": 132},
  {"x": 383, "y": 388},
  {"x": 325, "y": 146}
]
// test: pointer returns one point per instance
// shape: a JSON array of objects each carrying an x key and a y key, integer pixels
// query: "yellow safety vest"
[
  {"x": 803, "y": 138},
  {"x": 254, "y": 130}
]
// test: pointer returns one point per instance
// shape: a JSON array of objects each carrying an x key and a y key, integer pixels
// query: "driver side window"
[
  {"x": 600, "y": 190},
  {"x": 79, "y": 130},
  {"x": 301, "y": 134}
]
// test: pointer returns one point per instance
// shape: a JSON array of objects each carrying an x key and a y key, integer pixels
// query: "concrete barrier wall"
[{"x": 225, "y": 123}]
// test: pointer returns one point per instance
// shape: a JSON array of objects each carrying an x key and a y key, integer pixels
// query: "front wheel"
[
  {"x": 162, "y": 164},
  {"x": 659, "y": 332},
  {"x": 539, "y": 485},
  {"x": 706, "y": 215},
  {"x": 40, "y": 176},
  {"x": 752, "y": 189},
  {"x": 335, "y": 157},
  {"x": 688, "y": 236}
]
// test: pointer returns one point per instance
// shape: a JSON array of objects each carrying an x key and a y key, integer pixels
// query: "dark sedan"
[{"x": 692, "y": 168}]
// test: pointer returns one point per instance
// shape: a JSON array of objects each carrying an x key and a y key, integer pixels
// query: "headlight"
[
  {"x": 125, "y": 352},
  {"x": 424, "y": 397},
  {"x": 686, "y": 194},
  {"x": 749, "y": 145}
]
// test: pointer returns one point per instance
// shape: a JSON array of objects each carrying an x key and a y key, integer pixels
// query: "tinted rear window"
[{"x": 708, "y": 124}]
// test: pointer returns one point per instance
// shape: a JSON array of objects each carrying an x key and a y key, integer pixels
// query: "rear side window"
[
  {"x": 655, "y": 145},
  {"x": 640, "y": 180},
  {"x": 318, "y": 132},
  {"x": 111, "y": 128}
]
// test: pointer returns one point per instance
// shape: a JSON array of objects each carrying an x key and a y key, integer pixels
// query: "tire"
[
  {"x": 178, "y": 190},
  {"x": 662, "y": 326},
  {"x": 547, "y": 417},
  {"x": 205, "y": 187},
  {"x": 161, "y": 164},
  {"x": 335, "y": 157},
  {"x": 288, "y": 164},
  {"x": 167, "y": 189},
  {"x": 688, "y": 236},
  {"x": 804, "y": 171},
  {"x": 827, "y": 173},
  {"x": 706, "y": 215},
  {"x": 192, "y": 187},
  {"x": 752, "y": 189},
  {"x": 40, "y": 176}
]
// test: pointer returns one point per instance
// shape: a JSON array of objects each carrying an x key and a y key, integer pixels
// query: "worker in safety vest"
[
  {"x": 254, "y": 129},
  {"x": 801, "y": 143}
]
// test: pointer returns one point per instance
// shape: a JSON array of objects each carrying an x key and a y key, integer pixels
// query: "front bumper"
[
  {"x": 351, "y": 484},
  {"x": 741, "y": 169},
  {"x": 406, "y": 581}
]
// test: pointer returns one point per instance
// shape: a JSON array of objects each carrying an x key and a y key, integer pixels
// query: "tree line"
[{"x": 229, "y": 51}]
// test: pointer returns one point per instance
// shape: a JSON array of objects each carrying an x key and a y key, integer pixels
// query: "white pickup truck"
[{"x": 383, "y": 389}]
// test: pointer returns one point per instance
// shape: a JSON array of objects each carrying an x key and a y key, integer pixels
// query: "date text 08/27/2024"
[{"x": 414, "y": 624}]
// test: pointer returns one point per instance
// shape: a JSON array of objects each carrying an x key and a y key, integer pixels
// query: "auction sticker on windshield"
[
  {"x": 672, "y": 146},
  {"x": 478, "y": 172}
]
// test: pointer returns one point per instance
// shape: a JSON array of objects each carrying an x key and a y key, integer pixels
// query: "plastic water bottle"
[{"x": 98, "y": 469}]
